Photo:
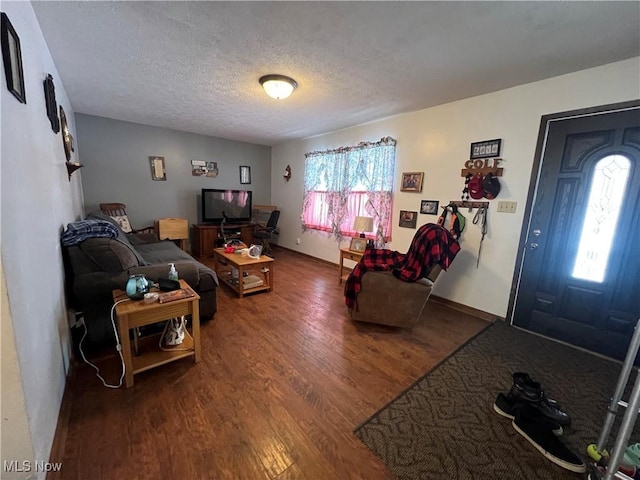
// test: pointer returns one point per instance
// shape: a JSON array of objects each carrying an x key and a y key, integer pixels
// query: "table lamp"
[{"x": 363, "y": 224}]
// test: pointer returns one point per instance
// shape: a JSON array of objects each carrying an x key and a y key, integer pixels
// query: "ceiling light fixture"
[{"x": 278, "y": 86}]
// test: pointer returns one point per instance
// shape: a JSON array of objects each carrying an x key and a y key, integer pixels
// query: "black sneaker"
[
  {"x": 522, "y": 378},
  {"x": 526, "y": 390},
  {"x": 507, "y": 409},
  {"x": 537, "y": 430}
]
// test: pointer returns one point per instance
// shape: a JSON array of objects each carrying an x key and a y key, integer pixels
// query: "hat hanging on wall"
[
  {"x": 491, "y": 186},
  {"x": 476, "y": 190}
]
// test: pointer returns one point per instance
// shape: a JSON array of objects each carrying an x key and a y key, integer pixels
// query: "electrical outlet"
[
  {"x": 507, "y": 207},
  {"x": 297, "y": 241}
]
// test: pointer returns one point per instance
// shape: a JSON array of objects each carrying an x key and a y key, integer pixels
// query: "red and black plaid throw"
[{"x": 431, "y": 245}]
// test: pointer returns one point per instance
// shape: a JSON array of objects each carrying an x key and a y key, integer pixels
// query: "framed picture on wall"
[
  {"x": 429, "y": 207},
  {"x": 408, "y": 219},
  {"x": 158, "y": 172},
  {"x": 12, "y": 59},
  {"x": 412, "y": 182},
  {"x": 245, "y": 174},
  {"x": 485, "y": 149}
]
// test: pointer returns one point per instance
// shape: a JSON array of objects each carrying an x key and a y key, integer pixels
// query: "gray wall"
[{"x": 115, "y": 155}]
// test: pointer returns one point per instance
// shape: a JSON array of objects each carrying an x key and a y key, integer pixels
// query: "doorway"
[{"x": 578, "y": 275}]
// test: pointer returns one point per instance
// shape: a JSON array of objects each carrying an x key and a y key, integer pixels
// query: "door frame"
[{"x": 541, "y": 144}]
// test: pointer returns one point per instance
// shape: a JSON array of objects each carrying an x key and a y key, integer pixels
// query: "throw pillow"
[{"x": 123, "y": 221}]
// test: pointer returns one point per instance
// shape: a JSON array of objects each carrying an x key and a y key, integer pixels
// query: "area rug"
[{"x": 444, "y": 425}]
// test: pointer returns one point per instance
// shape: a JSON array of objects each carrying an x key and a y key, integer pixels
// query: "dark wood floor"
[{"x": 284, "y": 379}]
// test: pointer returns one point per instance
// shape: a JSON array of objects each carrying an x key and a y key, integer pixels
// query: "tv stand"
[{"x": 206, "y": 236}]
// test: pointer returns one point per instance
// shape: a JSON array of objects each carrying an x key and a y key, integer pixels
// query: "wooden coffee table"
[
  {"x": 261, "y": 268},
  {"x": 136, "y": 313}
]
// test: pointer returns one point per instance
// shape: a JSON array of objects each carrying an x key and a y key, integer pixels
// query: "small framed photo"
[
  {"x": 12, "y": 59},
  {"x": 412, "y": 182},
  {"x": 245, "y": 174},
  {"x": 358, "y": 244},
  {"x": 485, "y": 149},
  {"x": 158, "y": 173},
  {"x": 429, "y": 207},
  {"x": 408, "y": 219}
]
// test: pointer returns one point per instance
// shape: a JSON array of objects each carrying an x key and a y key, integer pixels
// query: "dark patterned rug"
[{"x": 444, "y": 426}]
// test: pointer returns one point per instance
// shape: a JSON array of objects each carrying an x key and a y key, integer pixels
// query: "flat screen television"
[{"x": 217, "y": 204}]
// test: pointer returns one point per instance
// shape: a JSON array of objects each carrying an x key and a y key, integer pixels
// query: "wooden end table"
[
  {"x": 136, "y": 313},
  {"x": 346, "y": 254},
  {"x": 243, "y": 263}
]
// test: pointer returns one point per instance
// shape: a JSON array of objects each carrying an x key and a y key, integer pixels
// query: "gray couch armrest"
[
  {"x": 188, "y": 271},
  {"x": 98, "y": 285}
]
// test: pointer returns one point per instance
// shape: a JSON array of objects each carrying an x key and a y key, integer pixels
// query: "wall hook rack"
[{"x": 469, "y": 205}]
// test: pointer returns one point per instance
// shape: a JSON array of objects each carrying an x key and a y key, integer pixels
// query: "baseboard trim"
[{"x": 489, "y": 317}]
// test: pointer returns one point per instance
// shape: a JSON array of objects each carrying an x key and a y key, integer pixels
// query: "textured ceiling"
[{"x": 194, "y": 66}]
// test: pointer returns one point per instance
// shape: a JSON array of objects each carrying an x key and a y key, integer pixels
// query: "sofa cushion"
[
  {"x": 109, "y": 255},
  {"x": 122, "y": 236},
  {"x": 162, "y": 252}
]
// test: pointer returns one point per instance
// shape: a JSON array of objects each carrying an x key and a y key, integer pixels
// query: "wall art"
[
  {"x": 408, "y": 219},
  {"x": 200, "y": 168},
  {"x": 158, "y": 172},
  {"x": 12, "y": 58},
  {"x": 412, "y": 182},
  {"x": 485, "y": 149},
  {"x": 245, "y": 174},
  {"x": 50, "y": 102},
  {"x": 429, "y": 207}
]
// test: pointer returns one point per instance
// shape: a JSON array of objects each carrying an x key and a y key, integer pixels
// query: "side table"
[
  {"x": 346, "y": 254},
  {"x": 136, "y": 313}
]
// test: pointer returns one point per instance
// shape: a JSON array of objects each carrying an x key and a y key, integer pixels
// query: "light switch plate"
[{"x": 507, "y": 207}]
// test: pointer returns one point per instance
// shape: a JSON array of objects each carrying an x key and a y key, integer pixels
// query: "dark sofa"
[{"x": 97, "y": 266}]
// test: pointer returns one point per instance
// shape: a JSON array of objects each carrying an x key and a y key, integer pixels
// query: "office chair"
[{"x": 266, "y": 233}]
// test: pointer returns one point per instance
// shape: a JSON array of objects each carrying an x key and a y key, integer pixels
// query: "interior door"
[{"x": 580, "y": 272}]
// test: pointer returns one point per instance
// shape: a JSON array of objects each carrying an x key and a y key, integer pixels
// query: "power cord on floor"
[{"x": 118, "y": 348}]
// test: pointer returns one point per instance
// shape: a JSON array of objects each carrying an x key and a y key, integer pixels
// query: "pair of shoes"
[
  {"x": 507, "y": 409},
  {"x": 537, "y": 429},
  {"x": 527, "y": 391}
]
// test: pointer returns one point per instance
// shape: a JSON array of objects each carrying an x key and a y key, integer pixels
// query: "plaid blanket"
[
  {"x": 78, "y": 232},
  {"x": 431, "y": 245}
]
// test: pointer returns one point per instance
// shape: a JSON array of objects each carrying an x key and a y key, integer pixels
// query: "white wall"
[
  {"x": 436, "y": 141},
  {"x": 38, "y": 201}
]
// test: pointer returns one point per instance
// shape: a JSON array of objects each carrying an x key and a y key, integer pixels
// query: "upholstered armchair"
[{"x": 386, "y": 300}]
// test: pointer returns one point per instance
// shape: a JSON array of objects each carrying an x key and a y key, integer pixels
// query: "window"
[
  {"x": 603, "y": 209},
  {"x": 342, "y": 184}
]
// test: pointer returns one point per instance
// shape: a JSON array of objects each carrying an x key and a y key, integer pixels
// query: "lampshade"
[
  {"x": 278, "y": 86},
  {"x": 363, "y": 224}
]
